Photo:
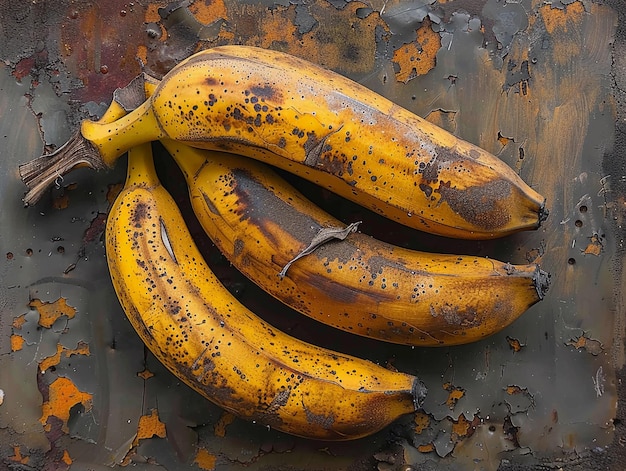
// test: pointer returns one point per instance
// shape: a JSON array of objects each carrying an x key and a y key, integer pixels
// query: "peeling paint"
[
  {"x": 419, "y": 57},
  {"x": 454, "y": 394},
  {"x": 63, "y": 396},
  {"x": 205, "y": 460},
  {"x": 50, "y": 312}
]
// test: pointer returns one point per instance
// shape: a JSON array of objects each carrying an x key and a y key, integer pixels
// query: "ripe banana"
[
  {"x": 323, "y": 127},
  {"x": 209, "y": 340},
  {"x": 358, "y": 284}
]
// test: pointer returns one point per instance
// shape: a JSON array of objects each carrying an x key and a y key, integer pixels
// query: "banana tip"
[
  {"x": 419, "y": 393},
  {"x": 542, "y": 282},
  {"x": 543, "y": 213}
]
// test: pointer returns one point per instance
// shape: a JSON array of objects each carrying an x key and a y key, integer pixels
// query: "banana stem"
[
  {"x": 141, "y": 171},
  {"x": 41, "y": 173},
  {"x": 92, "y": 147}
]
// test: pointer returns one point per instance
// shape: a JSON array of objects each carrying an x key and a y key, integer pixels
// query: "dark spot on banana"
[
  {"x": 238, "y": 246},
  {"x": 139, "y": 214},
  {"x": 478, "y": 204},
  {"x": 458, "y": 316},
  {"x": 324, "y": 421},
  {"x": 427, "y": 189},
  {"x": 266, "y": 92}
]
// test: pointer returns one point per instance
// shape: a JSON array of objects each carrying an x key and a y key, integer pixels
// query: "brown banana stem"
[{"x": 40, "y": 173}]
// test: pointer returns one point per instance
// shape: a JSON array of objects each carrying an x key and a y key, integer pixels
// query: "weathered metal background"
[{"x": 540, "y": 83}]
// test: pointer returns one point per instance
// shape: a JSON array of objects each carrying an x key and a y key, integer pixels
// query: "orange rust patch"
[
  {"x": 17, "y": 342},
  {"x": 461, "y": 428},
  {"x": 515, "y": 344},
  {"x": 220, "y": 427},
  {"x": 152, "y": 12},
  {"x": 339, "y": 40},
  {"x": 17, "y": 456},
  {"x": 454, "y": 394},
  {"x": 503, "y": 140},
  {"x": 63, "y": 395},
  {"x": 150, "y": 426},
  {"x": 145, "y": 374},
  {"x": 18, "y": 321},
  {"x": 594, "y": 247},
  {"x": 580, "y": 342},
  {"x": 592, "y": 346},
  {"x": 208, "y": 11},
  {"x": 513, "y": 389},
  {"x": 419, "y": 57},
  {"x": 53, "y": 360},
  {"x": 142, "y": 55},
  {"x": 205, "y": 460},
  {"x": 422, "y": 421},
  {"x": 66, "y": 458},
  {"x": 50, "y": 312},
  {"x": 562, "y": 19}
]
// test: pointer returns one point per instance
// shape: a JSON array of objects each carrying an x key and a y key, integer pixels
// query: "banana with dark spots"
[
  {"x": 319, "y": 125},
  {"x": 355, "y": 282},
  {"x": 209, "y": 340}
]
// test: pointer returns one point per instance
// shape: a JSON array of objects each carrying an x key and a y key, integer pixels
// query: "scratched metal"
[{"x": 529, "y": 81}]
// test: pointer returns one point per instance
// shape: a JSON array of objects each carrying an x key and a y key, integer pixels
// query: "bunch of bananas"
[{"x": 224, "y": 114}]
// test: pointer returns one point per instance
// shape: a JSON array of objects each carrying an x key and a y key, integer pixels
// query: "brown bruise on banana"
[
  {"x": 403, "y": 297},
  {"x": 238, "y": 110},
  {"x": 274, "y": 380}
]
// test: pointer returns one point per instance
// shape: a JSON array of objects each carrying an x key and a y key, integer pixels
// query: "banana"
[
  {"x": 358, "y": 284},
  {"x": 201, "y": 333},
  {"x": 261, "y": 223},
  {"x": 321, "y": 126}
]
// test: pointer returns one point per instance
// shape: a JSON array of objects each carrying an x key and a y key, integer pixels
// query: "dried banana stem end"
[
  {"x": 541, "y": 280},
  {"x": 43, "y": 172}
]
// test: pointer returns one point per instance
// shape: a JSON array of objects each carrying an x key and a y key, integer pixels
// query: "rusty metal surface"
[{"x": 540, "y": 84}]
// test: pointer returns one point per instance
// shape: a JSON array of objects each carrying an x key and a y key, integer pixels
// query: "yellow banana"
[
  {"x": 357, "y": 284},
  {"x": 218, "y": 347},
  {"x": 323, "y": 127}
]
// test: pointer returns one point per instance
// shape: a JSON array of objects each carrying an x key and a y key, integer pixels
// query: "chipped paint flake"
[
  {"x": 63, "y": 395},
  {"x": 145, "y": 374},
  {"x": 17, "y": 342},
  {"x": 595, "y": 246},
  {"x": 18, "y": 321},
  {"x": 454, "y": 394},
  {"x": 66, "y": 458},
  {"x": 49, "y": 312},
  {"x": 584, "y": 342},
  {"x": 515, "y": 344},
  {"x": 422, "y": 421},
  {"x": 209, "y": 11},
  {"x": 418, "y": 57},
  {"x": 150, "y": 426},
  {"x": 461, "y": 428},
  {"x": 53, "y": 360},
  {"x": 205, "y": 460}
]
